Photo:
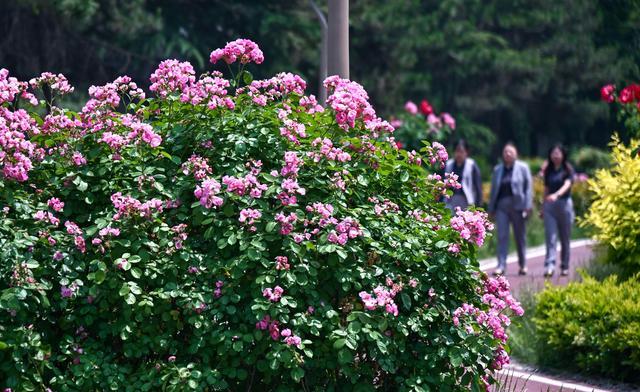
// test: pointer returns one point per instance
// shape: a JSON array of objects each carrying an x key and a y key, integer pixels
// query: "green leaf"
[
  {"x": 247, "y": 77},
  {"x": 338, "y": 344},
  {"x": 297, "y": 374},
  {"x": 124, "y": 290}
]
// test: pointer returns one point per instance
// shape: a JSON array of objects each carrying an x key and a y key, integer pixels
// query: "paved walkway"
[
  {"x": 581, "y": 253},
  {"x": 520, "y": 378}
]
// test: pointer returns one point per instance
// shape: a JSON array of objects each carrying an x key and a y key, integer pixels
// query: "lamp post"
[
  {"x": 338, "y": 39},
  {"x": 322, "y": 75}
]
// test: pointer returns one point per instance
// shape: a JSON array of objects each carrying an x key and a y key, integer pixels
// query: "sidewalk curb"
[
  {"x": 528, "y": 375},
  {"x": 536, "y": 251}
]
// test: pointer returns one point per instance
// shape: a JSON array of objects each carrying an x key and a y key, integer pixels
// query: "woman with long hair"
[{"x": 557, "y": 208}]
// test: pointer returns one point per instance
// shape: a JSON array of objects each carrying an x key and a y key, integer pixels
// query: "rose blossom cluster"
[
  {"x": 291, "y": 129},
  {"x": 328, "y": 151},
  {"x": 273, "y": 326},
  {"x": 180, "y": 235},
  {"x": 46, "y": 217},
  {"x": 210, "y": 90},
  {"x": 273, "y": 294},
  {"x": 16, "y": 150},
  {"x": 282, "y": 263},
  {"x": 108, "y": 97},
  {"x": 286, "y": 222},
  {"x": 289, "y": 184},
  {"x": 55, "y": 204},
  {"x": 243, "y": 50},
  {"x": 172, "y": 76},
  {"x": 10, "y": 88},
  {"x": 424, "y": 217},
  {"x": 198, "y": 166},
  {"x": 218, "y": 291},
  {"x": 345, "y": 230},
  {"x": 248, "y": 216},
  {"x": 414, "y": 159},
  {"x": 207, "y": 192},
  {"x": 242, "y": 185},
  {"x": 58, "y": 83},
  {"x": 382, "y": 297},
  {"x": 103, "y": 235},
  {"x": 138, "y": 129},
  {"x": 435, "y": 122},
  {"x": 497, "y": 296},
  {"x": 280, "y": 85},
  {"x": 437, "y": 155},
  {"x": 349, "y": 100},
  {"x": 311, "y": 104},
  {"x": 128, "y": 206},
  {"x": 74, "y": 230},
  {"x": 472, "y": 225},
  {"x": 628, "y": 95},
  {"x": 57, "y": 121},
  {"x": 383, "y": 207}
]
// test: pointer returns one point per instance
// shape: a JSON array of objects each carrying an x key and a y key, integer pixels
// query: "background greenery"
[{"x": 527, "y": 70}]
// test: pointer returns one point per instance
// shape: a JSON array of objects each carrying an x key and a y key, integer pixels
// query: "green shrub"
[
  {"x": 614, "y": 213},
  {"x": 591, "y": 326},
  {"x": 219, "y": 237},
  {"x": 589, "y": 159}
]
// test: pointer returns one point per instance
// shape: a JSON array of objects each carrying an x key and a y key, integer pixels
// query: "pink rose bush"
[
  {"x": 420, "y": 122},
  {"x": 225, "y": 234}
]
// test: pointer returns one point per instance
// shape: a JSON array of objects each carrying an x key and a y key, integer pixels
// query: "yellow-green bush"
[
  {"x": 591, "y": 326},
  {"x": 615, "y": 211}
]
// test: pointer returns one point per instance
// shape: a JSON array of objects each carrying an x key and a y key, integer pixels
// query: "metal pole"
[
  {"x": 338, "y": 45},
  {"x": 322, "y": 75}
]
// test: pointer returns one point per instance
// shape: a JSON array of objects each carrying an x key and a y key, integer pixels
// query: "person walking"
[
  {"x": 469, "y": 177},
  {"x": 557, "y": 209},
  {"x": 510, "y": 203}
]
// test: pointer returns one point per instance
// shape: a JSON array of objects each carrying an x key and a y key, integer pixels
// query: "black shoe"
[
  {"x": 523, "y": 271},
  {"x": 565, "y": 272},
  {"x": 548, "y": 273}
]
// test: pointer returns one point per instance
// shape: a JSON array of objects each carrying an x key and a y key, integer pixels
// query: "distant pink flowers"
[
  {"x": 55, "y": 204},
  {"x": 172, "y": 76},
  {"x": 437, "y": 154},
  {"x": 273, "y": 294},
  {"x": 282, "y": 263},
  {"x": 472, "y": 225},
  {"x": 207, "y": 192},
  {"x": 291, "y": 339},
  {"x": 382, "y": 297},
  {"x": 57, "y": 83},
  {"x": 496, "y": 295},
  {"x": 345, "y": 230},
  {"x": 607, "y": 93},
  {"x": 243, "y": 50},
  {"x": 411, "y": 108},
  {"x": 248, "y": 216},
  {"x": 128, "y": 206}
]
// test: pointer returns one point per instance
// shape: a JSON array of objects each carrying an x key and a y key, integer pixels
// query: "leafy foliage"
[
  {"x": 591, "y": 326},
  {"x": 614, "y": 212},
  {"x": 232, "y": 234}
]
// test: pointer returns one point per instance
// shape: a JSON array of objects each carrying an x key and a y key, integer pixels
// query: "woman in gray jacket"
[
  {"x": 470, "y": 194},
  {"x": 511, "y": 202}
]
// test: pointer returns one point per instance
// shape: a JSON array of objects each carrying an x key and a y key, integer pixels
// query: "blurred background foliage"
[{"x": 521, "y": 70}]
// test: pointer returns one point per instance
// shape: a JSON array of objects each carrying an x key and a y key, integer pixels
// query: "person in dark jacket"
[
  {"x": 511, "y": 202},
  {"x": 469, "y": 177},
  {"x": 557, "y": 208}
]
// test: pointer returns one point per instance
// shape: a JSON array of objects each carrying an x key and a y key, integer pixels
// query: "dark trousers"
[
  {"x": 506, "y": 215},
  {"x": 558, "y": 219}
]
